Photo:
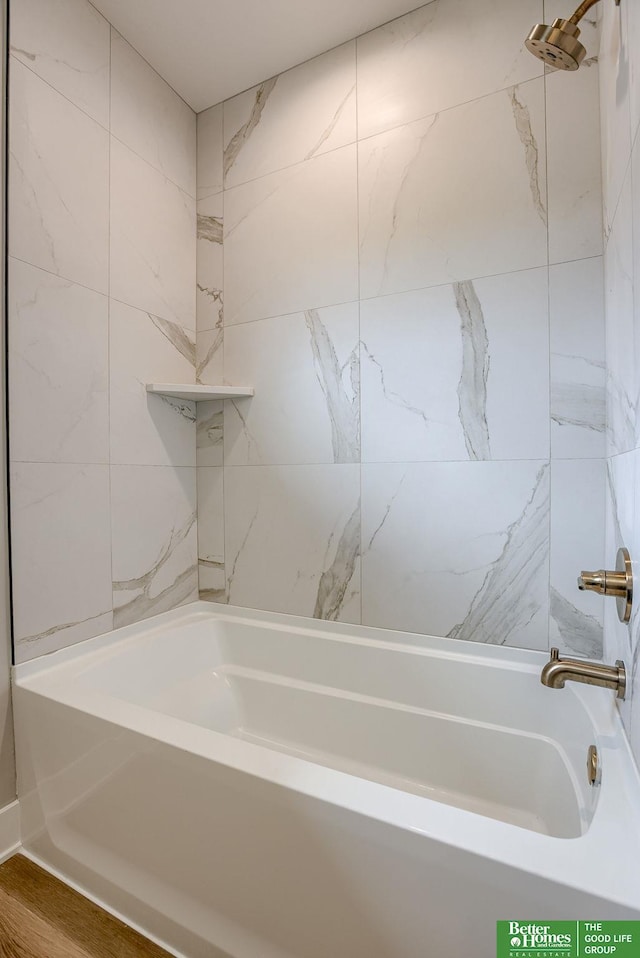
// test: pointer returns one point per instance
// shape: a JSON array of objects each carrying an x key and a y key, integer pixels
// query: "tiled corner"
[
  {"x": 153, "y": 240},
  {"x": 156, "y": 124},
  {"x": 211, "y": 568},
  {"x": 302, "y": 113},
  {"x": 150, "y": 429},
  {"x": 210, "y": 263},
  {"x": 209, "y": 433},
  {"x": 209, "y": 152},
  {"x": 155, "y": 549}
]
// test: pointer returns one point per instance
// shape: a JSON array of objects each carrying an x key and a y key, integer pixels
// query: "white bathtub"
[{"x": 260, "y": 786}]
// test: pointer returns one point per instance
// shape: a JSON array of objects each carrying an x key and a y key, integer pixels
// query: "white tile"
[
  {"x": 305, "y": 371},
  {"x": 614, "y": 106},
  {"x": 424, "y": 221},
  {"x": 457, "y": 549},
  {"x": 211, "y": 532},
  {"x": 291, "y": 239},
  {"x": 150, "y": 430},
  {"x": 210, "y": 264},
  {"x": 58, "y": 356},
  {"x": 209, "y": 356},
  {"x": 153, "y": 239},
  {"x": 209, "y": 433},
  {"x": 150, "y": 118},
  {"x": 292, "y": 539},
  {"x": 574, "y": 164},
  {"x": 578, "y": 373},
  {"x": 65, "y": 42},
  {"x": 210, "y": 150},
  {"x": 577, "y": 543},
  {"x": 622, "y": 337},
  {"x": 441, "y": 55},
  {"x": 301, "y": 113},
  {"x": 58, "y": 183},
  {"x": 61, "y": 548},
  {"x": 622, "y": 529},
  {"x": 633, "y": 39},
  {"x": 457, "y": 372},
  {"x": 155, "y": 548}
]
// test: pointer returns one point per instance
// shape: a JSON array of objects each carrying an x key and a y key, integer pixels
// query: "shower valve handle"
[{"x": 618, "y": 584}]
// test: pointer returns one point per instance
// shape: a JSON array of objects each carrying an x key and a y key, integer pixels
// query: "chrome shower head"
[{"x": 557, "y": 45}]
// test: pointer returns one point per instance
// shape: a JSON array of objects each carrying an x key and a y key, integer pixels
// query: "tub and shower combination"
[{"x": 261, "y": 786}]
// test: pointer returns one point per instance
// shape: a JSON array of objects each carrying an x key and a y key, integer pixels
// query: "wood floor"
[{"x": 40, "y": 917}]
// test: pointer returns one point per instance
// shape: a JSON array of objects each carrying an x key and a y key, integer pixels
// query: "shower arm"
[{"x": 583, "y": 8}]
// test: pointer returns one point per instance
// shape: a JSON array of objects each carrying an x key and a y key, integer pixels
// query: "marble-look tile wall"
[
  {"x": 620, "y": 108},
  {"x": 102, "y": 300},
  {"x": 407, "y": 237}
]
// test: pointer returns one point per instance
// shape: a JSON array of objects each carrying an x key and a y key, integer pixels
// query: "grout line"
[
  {"x": 385, "y": 132},
  {"x": 106, "y": 129},
  {"x": 359, "y": 329}
]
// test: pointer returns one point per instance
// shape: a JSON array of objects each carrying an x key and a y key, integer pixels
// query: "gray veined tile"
[
  {"x": 575, "y": 631},
  {"x": 209, "y": 433},
  {"x": 155, "y": 550},
  {"x": 410, "y": 68},
  {"x": 60, "y": 535},
  {"x": 211, "y": 566},
  {"x": 306, "y": 372},
  {"x": 210, "y": 264},
  {"x": 58, "y": 199},
  {"x": 209, "y": 356},
  {"x": 505, "y": 604},
  {"x": 302, "y": 113},
  {"x": 145, "y": 429},
  {"x": 297, "y": 229},
  {"x": 59, "y": 362},
  {"x": 458, "y": 549},
  {"x": 423, "y": 220},
  {"x": 457, "y": 372},
  {"x": 67, "y": 44},
  {"x": 292, "y": 539}
]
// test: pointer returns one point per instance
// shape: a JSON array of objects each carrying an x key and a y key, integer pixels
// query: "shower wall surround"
[
  {"x": 620, "y": 105},
  {"x": 101, "y": 300},
  {"x": 406, "y": 233}
]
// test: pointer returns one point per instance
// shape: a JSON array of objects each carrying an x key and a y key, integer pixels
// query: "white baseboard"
[{"x": 9, "y": 830}]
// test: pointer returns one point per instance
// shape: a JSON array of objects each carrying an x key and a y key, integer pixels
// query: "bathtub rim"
[{"x": 569, "y": 861}]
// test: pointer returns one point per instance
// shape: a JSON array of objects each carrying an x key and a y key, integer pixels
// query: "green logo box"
[{"x": 568, "y": 939}]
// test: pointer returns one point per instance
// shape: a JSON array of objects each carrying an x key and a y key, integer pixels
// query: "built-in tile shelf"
[{"x": 199, "y": 393}]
